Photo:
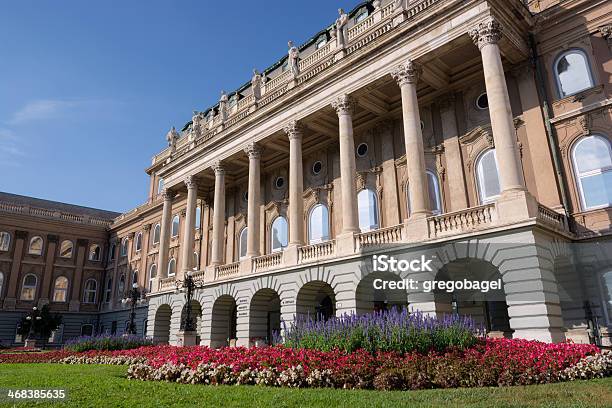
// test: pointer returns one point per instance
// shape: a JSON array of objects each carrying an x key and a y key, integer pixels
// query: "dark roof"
[{"x": 57, "y": 206}]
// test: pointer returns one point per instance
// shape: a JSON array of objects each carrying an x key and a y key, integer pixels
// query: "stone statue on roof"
[
  {"x": 341, "y": 33},
  {"x": 223, "y": 106},
  {"x": 171, "y": 137},
  {"x": 293, "y": 59},
  {"x": 256, "y": 84},
  {"x": 196, "y": 122}
]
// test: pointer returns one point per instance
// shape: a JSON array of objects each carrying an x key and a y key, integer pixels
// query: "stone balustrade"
[
  {"x": 382, "y": 236},
  {"x": 45, "y": 213},
  {"x": 167, "y": 283},
  {"x": 225, "y": 271},
  {"x": 267, "y": 262},
  {"x": 317, "y": 251},
  {"x": 552, "y": 218},
  {"x": 462, "y": 221},
  {"x": 316, "y": 56}
]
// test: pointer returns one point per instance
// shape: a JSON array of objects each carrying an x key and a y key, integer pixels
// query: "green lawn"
[{"x": 106, "y": 386}]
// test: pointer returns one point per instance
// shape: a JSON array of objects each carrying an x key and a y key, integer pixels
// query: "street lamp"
[
  {"x": 32, "y": 318},
  {"x": 188, "y": 324},
  {"x": 135, "y": 298}
]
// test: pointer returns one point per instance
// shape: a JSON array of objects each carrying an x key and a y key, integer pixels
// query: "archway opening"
[
  {"x": 489, "y": 309},
  {"x": 223, "y": 322},
  {"x": 372, "y": 295},
  {"x": 264, "y": 319},
  {"x": 161, "y": 326},
  {"x": 317, "y": 300}
]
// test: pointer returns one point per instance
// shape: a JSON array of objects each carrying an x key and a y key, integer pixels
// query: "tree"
[{"x": 43, "y": 327}]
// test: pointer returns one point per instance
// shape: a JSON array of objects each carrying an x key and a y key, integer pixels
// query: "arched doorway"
[
  {"x": 161, "y": 325},
  {"x": 223, "y": 322},
  {"x": 196, "y": 315},
  {"x": 317, "y": 300},
  {"x": 373, "y": 299},
  {"x": 487, "y": 309},
  {"x": 264, "y": 316}
]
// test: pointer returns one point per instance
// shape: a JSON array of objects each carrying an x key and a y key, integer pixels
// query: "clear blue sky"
[{"x": 88, "y": 89}]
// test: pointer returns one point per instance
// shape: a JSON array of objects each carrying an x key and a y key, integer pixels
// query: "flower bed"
[
  {"x": 107, "y": 342},
  {"x": 490, "y": 362},
  {"x": 395, "y": 330}
]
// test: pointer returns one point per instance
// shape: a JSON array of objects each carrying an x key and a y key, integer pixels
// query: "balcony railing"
[
  {"x": 167, "y": 283},
  {"x": 267, "y": 262},
  {"x": 225, "y": 271},
  {"x": 388, "y": 235},
  {"x": 552, "y": 218},
  {"x": 316, "y": 251},
  {"x": 53, "y": 214},
  {"x": 462, "y": 221}
]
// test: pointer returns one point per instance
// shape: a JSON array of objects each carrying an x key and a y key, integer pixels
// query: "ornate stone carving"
[
  {"x": 340, "y": 28},
  {"x": 256, "y": 84},
  {"x": 344, "y": 104},
  {"x": 407, "y": 73},
  {"x": 167, "y": 195},
  {"x": 486, "y": 32},
  {"x": 606, "y": 32},
  {"x": 293, "y": 129},
  {"x": 171, "y": 137},
  {"x": 584, "y": 122},
  {"x": 253, "y": 150},
  {"x": 146, "y": 227},
  {"x": 293, "y": 58},
  {"x": 218, "y": 167},
  {"x": 190, "y": 182}
]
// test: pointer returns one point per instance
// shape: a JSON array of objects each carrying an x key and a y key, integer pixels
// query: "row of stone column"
[{"x": 486, "y": 36}]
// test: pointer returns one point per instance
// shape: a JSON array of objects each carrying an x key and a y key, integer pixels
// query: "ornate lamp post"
[
  {"x": 33, "y": 317},
  {"x": 134, "y": 299},
  {"x": 188, "y": 323}
]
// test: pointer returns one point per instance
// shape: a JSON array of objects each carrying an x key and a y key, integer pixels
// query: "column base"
[
  {"x": 290, "y": 254},
  {"x": 187, "y": 338},
  {"x": 74, "y": 306},
  {"x": 10, "y": 303},
  {"x": 578, "y": 335},
  {"x": 345, "y": 243},
  {"x": 515, "y": 206},
  {"x": 416, "y": 228},
  {"x": 547, "y": 335}
]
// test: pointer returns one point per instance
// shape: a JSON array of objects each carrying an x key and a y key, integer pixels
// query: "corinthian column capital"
[
  {"x": 190, "y": 182},
  {"x": 344, "y": 105},
  {"x": 253, "y": 150},
  {"x": 407, "y": 73},
  {"x": 486, "y": 32},
  {"x": 167, "y": 195},
  {"x": 218, "y": 168},
  {"x": 293, "y": 129}
]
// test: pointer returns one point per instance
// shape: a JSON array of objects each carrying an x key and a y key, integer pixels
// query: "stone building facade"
[{"x": 477, "y": 133}]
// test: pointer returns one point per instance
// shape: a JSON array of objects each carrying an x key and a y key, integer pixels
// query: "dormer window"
[
  {"x": 361, "y": 15},
  {"x": 321, "y": 41},
  {"x": 233, "y": 100}
]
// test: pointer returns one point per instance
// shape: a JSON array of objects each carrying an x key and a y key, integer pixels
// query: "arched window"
[
  {"x": 138, "y": 243},
  {"x": 87, "y": 330},
  {"x": 1, "y": 283},
  {"x": 361, "y": 15},
  {"x": 160, "y": 185},
  {"x": 5, "y": 241},
  {"x": 435, "y": 196},
  {"x": 124, "y": 247},
  {"x": 66, "y": 249},
  {"x": 36, "y": 246},
  {"x": 196, "y": 261},
  {"x": 89, "y": 294},
  {"x": 135, "y": 277},
  {"x": 109, "y": 290},
  {"x": 175, "y": 226},
  {"x": 121, "y": 286},
  {"x": 111, "y": 254},
  {"x": 318, "y": 224},
  {"x": 592, "y": 156},
  {"x": 242, "y": 242},
  {"x": 94, "y": 252},
  {"x": 321, "y": 41},
  {"x": 487, "y": 177},
  {"x": 572, "y": 73},
  {"x": 367, "y": 206},
  {"x": 172, "y": 267},
  {"x": 156, "y": 233},
  {"x": 60, "y": 289},
  {"x": 279, "y": 234},
  {"x": 152, "y": 275},
  {"x": 198, "y": 217},
  {"x": 28, "y": 289}
]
